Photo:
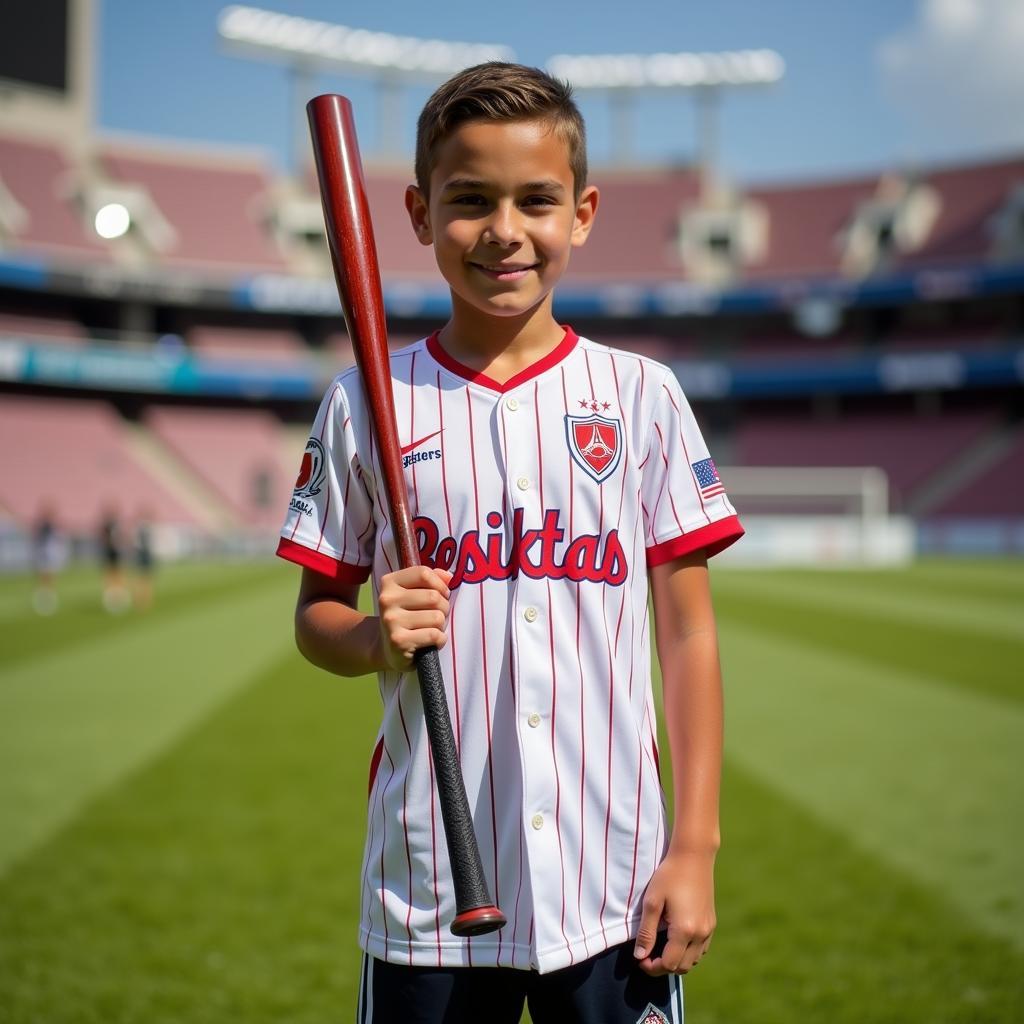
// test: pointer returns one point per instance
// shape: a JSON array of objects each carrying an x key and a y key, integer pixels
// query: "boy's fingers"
[
  {"x": 648, "y": 930},
  {"x": 419, "y": 577},
  {"x": 423, "y": 600}
]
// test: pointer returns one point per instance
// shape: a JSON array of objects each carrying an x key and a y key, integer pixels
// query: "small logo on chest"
[{"x": 595, "y": 443}]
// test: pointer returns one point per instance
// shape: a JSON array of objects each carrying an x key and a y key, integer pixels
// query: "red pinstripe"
[
  {"x": 579, "y": 663},
  {"x": 412, "y": 427},
  {"x": 483, "y": 648},
  {"x": 519, "y": 885},
  {"x": 554, "y": 761},
  {"x": 665, "y": 483},
  {"x": 383, "y": 844},
  {"x": 378, "y": 754},
  {"x": 506, "y": 503},
  {"x": 640, "y": 759},
  {"x": 554, "y": 674},
  {"x": 452, "y": 631},
  {"x": 636, "y": 834},
  {"x": 433, "y": 852},
  {"x": 383, "y": 513},
  {"x": 689, "y": 464},
  {"x": 405, "y": 825}
]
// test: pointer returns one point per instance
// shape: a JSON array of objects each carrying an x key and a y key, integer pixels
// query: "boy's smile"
[{"x": 502, "y": 217}]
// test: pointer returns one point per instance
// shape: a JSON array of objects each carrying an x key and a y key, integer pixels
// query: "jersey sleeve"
[
  {"x": 685, "y": 506},
  {"x": 329, "y": 525}
]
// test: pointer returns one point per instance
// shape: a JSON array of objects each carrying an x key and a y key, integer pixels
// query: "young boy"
[{"x": 552, "y": 480}]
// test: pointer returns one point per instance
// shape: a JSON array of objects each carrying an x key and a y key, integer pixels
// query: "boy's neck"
[{"x": 500, "y": 347}]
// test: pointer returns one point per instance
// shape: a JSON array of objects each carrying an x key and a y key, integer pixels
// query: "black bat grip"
[{"x": 475, "y": 912}]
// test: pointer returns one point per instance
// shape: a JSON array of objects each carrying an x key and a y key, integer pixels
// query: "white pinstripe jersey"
[{"x": 548, "y": 496}]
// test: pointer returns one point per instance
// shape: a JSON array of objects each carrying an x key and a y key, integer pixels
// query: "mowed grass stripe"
[
  {"x": 77, "y": 719},
  {"x": 812, "y": 929},
  {"x": 994, "y": 580},
  {"x": 219, "y": 883},
  {"x": 999, "y": 576},
  {"x": 31, "y": 635},
  {"x": 926, "y": 777},
  {"x": 955, "y": 656},
  {"x": 81, "y": 584},
  {"x": 887, "y": 597}
]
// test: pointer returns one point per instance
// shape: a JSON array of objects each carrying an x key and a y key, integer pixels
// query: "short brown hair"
[{"x": 499, "y": 91}]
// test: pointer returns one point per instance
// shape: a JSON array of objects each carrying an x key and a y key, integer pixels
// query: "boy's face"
[{"x": 502, "y": 215}]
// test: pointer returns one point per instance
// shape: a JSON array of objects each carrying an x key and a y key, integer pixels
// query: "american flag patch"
[{"x": 707, "y": 478}]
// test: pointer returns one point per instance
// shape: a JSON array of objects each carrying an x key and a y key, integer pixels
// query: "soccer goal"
[{"x": 817, "y": 516}]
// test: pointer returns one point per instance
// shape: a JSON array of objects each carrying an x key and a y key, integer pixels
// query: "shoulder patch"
[{"x": 313, "y": 470}]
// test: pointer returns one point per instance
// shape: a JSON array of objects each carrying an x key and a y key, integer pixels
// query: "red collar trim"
[{"x": 553, "y": 358}]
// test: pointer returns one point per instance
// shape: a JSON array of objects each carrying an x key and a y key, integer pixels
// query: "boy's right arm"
[{"x": 333, "y": 634}]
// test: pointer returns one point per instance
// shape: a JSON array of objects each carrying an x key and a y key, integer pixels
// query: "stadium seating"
[
  {"x": 75, "y": 456},
  {"x": 805, "y": 224},
  {"x": 236, "y": 343},
  {"x": 997, "y": 492},
  {"x": 67, "y": 332},
  {"x": 971, "y": 197},
  {"x": 39, "y": 177},
  {"x": 239, "y": 454},
  {"x": 909, "y": 448},
  {"x": 214, "y": 205},
  {"x": 639, "y": 216}
]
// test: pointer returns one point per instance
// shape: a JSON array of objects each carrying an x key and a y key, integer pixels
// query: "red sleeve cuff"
[
  {"x": 713, "y": 538},
  {"x": 319, "y": 562}
]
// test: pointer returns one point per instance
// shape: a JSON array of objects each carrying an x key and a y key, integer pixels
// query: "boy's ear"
[
  {"x": 586, "y": 209},
  {"x": 419, "y": 214}
]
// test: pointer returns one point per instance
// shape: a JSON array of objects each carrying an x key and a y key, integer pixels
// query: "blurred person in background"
[
  {"x": 49, "y": 553},
  {"x": 142, "y": 555},
  {"x": 116, "y": 597}
]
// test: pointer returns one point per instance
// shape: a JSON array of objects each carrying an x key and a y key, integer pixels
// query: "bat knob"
[{"x": 478, "y": 921}]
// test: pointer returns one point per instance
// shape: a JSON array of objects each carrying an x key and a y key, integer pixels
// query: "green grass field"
[{"x": 182, "y": 800}]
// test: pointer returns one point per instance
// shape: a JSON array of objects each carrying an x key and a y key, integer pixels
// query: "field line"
[
  {"x": 75, "y": 723},
  {"x": 925, "y": 776}
]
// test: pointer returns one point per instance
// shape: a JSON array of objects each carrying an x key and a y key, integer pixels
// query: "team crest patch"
[
  {"x": 313, "y": 470},
  {"x": 595, "y": 443},
  {"x": 652, "y": 1015}
]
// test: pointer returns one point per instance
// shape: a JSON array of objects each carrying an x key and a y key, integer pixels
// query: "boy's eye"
[
  {"x": 539, "y": 200},
  {"x": 468, "y": 200}
]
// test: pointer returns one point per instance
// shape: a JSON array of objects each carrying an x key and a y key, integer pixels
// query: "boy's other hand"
[
  {"x": 682, "y": 895},
  {"x": 413, "y": 612}
]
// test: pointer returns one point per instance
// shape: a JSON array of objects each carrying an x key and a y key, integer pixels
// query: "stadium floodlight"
[
  {"x": 623, "y": 75},
  {"x": 112, "y": 220},
  {"x": 337, "y": 47},
  {"x": 668, "y": 70}
]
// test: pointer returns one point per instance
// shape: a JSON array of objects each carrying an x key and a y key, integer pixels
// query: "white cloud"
[{"x": 957, "y": 74}]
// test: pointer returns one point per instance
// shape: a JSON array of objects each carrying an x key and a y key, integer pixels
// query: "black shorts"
[{"x": 606, "y": 989}]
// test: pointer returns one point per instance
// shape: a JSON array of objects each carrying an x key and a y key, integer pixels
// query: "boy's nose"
[{"x": 504, "y": 227}]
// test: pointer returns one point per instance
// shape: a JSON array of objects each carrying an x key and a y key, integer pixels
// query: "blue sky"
[{"x": 869, "y": 85}]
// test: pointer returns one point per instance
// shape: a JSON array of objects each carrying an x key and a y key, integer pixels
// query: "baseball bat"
[{"x": 354, "y": 255}]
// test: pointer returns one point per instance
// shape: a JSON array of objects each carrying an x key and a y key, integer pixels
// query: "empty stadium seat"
[{"x": 75, "y": 456}]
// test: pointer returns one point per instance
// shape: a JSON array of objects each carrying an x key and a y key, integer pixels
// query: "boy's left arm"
[{"x": 681, "y": 892}]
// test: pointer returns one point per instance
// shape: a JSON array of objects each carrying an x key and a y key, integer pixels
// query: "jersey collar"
[{"x": 553, "y": 358}]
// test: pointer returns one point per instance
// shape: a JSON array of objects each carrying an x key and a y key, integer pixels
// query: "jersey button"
[
  {"x": 537, "y": 821},
  {"x": 530, "y": 614},
  {"x": 534, "y": 720},
  {"x": 511, "y": 404},
  {"x": 523, "y": 483}
]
